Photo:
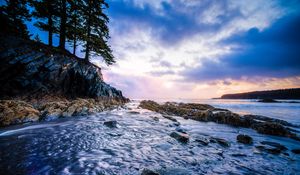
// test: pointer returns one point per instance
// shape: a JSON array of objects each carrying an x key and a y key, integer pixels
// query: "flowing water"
[{"x": 83, "y": 145}]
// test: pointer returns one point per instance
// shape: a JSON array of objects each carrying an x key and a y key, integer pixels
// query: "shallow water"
[
  {"x": 286, "y": 111},
  {"x": 83, "y": 145}
]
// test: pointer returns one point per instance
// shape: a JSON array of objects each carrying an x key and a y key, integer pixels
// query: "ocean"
[{"x": 142, "y": 140}]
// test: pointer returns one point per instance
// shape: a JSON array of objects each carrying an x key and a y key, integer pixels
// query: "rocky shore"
[
  {"x": 39, "y": 82},
  {"x": 207, "y": 113},
  {"x": 17, "y": 111}
]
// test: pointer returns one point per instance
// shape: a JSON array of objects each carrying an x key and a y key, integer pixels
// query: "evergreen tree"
[
  {"x": 63, "y": 22},
  {"x": 13, "y": 15},
  {"x": 96, "y": 30},
  {"x": 46, "y": 10},
  {"x": 74, "y": 27}
]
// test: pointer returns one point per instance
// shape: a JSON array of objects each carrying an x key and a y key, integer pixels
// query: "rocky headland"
[{"x": 39, "y": 82}]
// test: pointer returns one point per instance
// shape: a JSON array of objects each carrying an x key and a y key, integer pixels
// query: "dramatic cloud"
[
  {"x": 273, "y": 52},
  {"x": 202, "y": 49}
]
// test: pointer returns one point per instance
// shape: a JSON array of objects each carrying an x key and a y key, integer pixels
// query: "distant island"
[{"x": 270, "y": 94}]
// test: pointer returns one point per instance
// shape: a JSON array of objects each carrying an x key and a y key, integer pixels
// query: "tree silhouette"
[
  {"x": 13, "y": 15},
  {"x": 46, "y": 10},
  {"x": 96, "y": 31}
]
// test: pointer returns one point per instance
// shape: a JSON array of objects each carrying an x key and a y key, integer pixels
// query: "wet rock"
[
  {"x": 16, "y": 112},
  {"x": 170, "y": 108},
  {"x": 202, "y": 141},
  {"x": 175, "y": 124},
  {"x": 296, "y": 151},
  {"x": 181, "y": 137},
  {"x": 150, "y": 105},
  {"x": 52, "y": 110},
  {"x": 271, "y": 147},
  {"x": 244, "y": 139},
  {"x": 133, "y": 112},
  {"x": 268, "y": 149},
  {"x": 274, "y": 144},
  {"x": 149, "y": 172},
  {"x": 111, "y": 124},
  {"x": 267, "y": 119},
  {"x": 206, "y": 113},
  {"x": 178, "y": 129},
  {"x": 170, "y": 118},
  {"x": 220, "y": 141},
  {"x": 270, "y": 128},
  {"x": 239, "y": 155},
  {"x": 155, "y": 118}
]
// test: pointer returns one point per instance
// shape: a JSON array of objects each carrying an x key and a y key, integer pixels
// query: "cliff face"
[{"x": 29, "y": 68}]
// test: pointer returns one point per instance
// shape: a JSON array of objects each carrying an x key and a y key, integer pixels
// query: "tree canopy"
[{"x": 80, "y": 22}]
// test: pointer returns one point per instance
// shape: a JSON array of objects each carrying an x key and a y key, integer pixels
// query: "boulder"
[
  {"x": 202, "y": 141},
  {"x": 111, "y": 124},
  {"x": 149, "y": 172},
  {"x": 16, "y": 112},
  {"x": 274, "y": 144},
  {"x": 271, "y": 147},
  {"x": 296, "y": 151},
  {"x": 244, "y": 139},
  {"x": 220, "y": 141},
  {"x": 268, "y": 149},
  {"x": 181, "y": 137},
  {"x": 270, "y": 128}
]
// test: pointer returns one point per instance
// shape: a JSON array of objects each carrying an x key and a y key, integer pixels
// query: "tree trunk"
[
  {"x": 87, "y": 49},
  {"x": 50, "y": 23},
  {"x": 74, "y": 46},
  {"x": 63, "y": 20}
]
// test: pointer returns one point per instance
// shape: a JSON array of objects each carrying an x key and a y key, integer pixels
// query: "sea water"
[{"x": 84, "y": 145}]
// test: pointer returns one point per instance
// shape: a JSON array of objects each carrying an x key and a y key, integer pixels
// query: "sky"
[{"x": 197, "y": 49}]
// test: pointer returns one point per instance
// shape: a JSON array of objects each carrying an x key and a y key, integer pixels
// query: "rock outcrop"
[
  {"x": 244, "y": 139},
  {"x": 39, "y": 82},
  {"x": 15, "y": 112},
  {"x": 29, "y": 68},
  {"x": 206, "y": 113}
]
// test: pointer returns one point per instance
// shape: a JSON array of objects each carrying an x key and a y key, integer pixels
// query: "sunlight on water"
[{"x": 84, "y": 145}]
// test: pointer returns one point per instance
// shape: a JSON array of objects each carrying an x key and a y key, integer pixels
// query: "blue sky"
[{"x": 202, "y": 48}]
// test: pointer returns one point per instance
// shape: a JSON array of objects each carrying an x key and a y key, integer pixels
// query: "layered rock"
[
  {"x": 205, "y": 113},
  {"x": 32, "y": 68},
  {"x": 39, "y": 82}
]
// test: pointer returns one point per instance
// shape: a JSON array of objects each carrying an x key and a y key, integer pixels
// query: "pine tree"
[
  {"x": 74, "y": 27},
  {"x": 13, "y": 15},
  {"x": 46, "y": 10},
  {"x": 96, "y": 31},
  {"x": 63, "y": 22}
]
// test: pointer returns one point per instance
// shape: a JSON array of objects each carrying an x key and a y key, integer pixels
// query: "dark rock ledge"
[
  {"x": 39, "y": 82},
  {"x": 207, "y": 113}
]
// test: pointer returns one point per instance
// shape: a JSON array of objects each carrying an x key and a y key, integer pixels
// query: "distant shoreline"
[{"x": 280, "y": 94}]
